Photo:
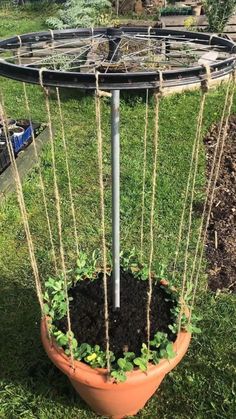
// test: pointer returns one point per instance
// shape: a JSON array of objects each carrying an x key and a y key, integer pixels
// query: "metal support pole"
[{"x": 115, "y": 116}]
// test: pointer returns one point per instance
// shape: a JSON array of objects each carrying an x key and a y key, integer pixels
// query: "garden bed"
[{"x": 221, "y": 244}]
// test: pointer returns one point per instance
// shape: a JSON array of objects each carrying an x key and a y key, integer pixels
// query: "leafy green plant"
[
  {"x": 163, "y": 345},
  {"x": 93, "y": 356},
  {"x": 87, "y": 268},
  {"x": 63, "y": 339},
  {"x": 55, "y": 298},
  {"x": 128, "y": 259},
  {"x": 80, "y": 13},
  {"x": 218, "y": 13},
  {"x": 190, "y": 24},
  {"x": 142, "y": 361},
  {"x": 130, "y": 262},
  {"x": 124, "y": 365},
  {"x": 160, "y": 347},
  {"x": 60, "y": 62},
  {"x": 190, "y": 327}
]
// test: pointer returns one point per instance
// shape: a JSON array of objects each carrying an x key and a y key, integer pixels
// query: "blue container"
[{"x": 19, "y": 141}]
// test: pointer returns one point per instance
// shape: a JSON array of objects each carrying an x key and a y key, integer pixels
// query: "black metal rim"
[{"x": 121, "y": 81}]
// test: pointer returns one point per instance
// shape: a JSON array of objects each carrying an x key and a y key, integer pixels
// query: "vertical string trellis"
[
  {"x": 98, "y": 94},
  {"x": 58, "y": 210},
  {"x": 41, "y": 181},
  {"x": 214, "y": 175},
  {"x": 144, "y": 172},
  {"x": 157, "y": 97},
  {"x": 73, "y": 212},
  {"x": 204, "y": 91},
  {"x": 22, "y": 206},
  {"x": 191, "y": 166}
]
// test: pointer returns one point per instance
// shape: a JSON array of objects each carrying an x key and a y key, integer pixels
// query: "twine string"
[
  {"x": 144, "y": 172},
  {"x": 205, "y": 88},
  {"x": 157, "y": 96},
  {"x": 98, "y": 95}
]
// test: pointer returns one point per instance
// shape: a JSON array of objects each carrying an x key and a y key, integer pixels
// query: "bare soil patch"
[{"x": 221, "y": 238}]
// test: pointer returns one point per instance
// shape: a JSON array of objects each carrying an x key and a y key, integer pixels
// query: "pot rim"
[{"x": 98, "y": 376}]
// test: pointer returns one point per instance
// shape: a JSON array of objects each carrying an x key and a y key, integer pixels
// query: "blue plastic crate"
[{"x": 19, "y": 141}]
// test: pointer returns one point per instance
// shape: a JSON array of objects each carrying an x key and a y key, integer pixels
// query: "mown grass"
[{"x": 30, "y": 386}]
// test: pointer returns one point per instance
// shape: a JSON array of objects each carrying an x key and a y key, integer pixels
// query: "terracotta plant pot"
[{"x": 114, "y": 400}]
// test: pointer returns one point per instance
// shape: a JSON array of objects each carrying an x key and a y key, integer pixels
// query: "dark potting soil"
[
  {"x": 221, "y": 239},
  {"x": 127, "y": 325}
]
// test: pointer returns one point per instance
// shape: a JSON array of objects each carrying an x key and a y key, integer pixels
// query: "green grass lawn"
[{"x": 203, "y": 385}]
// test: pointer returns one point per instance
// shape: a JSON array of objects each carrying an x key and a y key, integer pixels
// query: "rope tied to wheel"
[
  {"x": 160, "y": 89},
  {"x": 98, "y": 92},
  {"x": 205, "y": 83},
  {"x": 138, "y": 60}
]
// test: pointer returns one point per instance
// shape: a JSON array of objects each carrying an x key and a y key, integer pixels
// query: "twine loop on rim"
[
  {"x": 20, "y": 40},
  {"x": 205, "y": 83},
  {"x": 160, "y": 89},
  {"x": 100, "y": 93},
  {"x": 52, "y": 34}
]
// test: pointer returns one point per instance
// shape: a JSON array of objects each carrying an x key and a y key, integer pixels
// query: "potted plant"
[
  {"x": 17, "y": 131},
  {"x": 136, "y": 367}
]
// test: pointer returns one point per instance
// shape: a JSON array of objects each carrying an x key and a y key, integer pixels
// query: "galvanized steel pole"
[{"x": 115, "y": 146}]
